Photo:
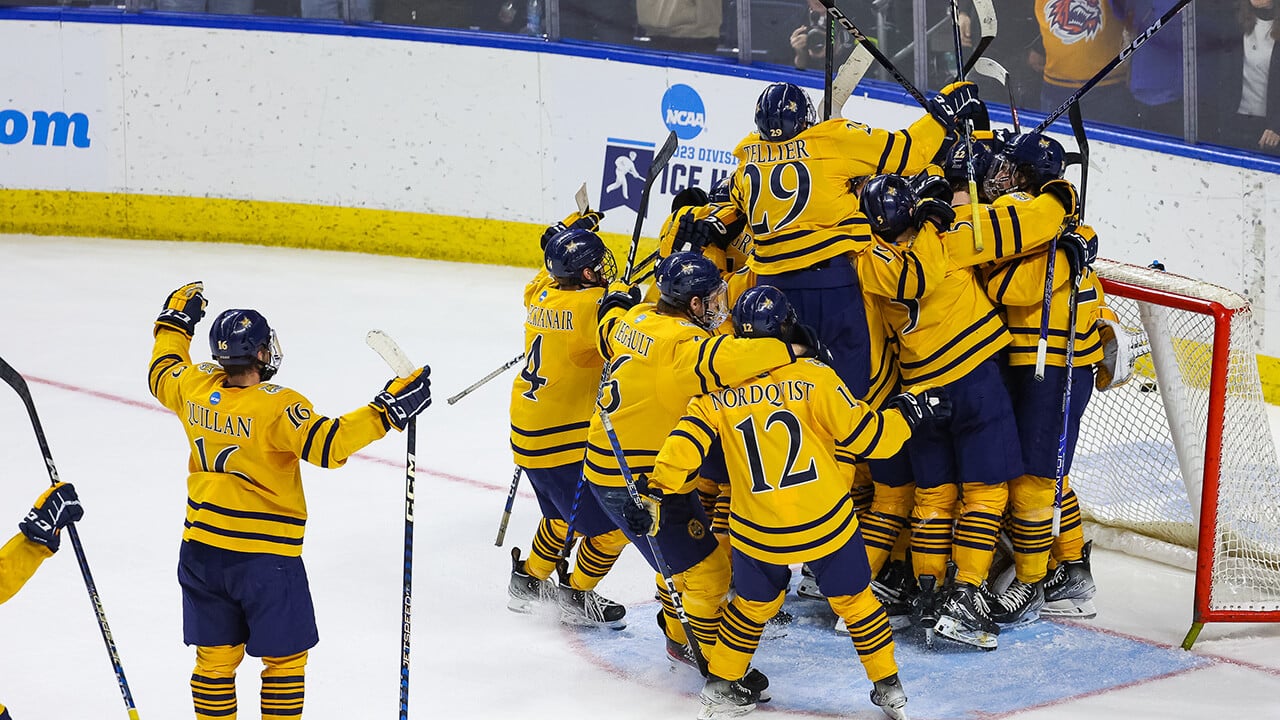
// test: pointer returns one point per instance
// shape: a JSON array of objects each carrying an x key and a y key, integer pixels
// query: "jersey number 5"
[
  {"x": 790, "y": 477},
  {"x": 779, "y": 195},
  {"x": 532, "y": 364}
]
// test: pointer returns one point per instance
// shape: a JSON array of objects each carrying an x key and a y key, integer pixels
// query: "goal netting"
[{"x": 1181, "y": 459}]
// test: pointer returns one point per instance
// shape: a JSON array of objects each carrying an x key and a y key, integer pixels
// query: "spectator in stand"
[
  {"x": 609, "y": 21},
  {"x": 809, "y": 41},
  {"x": 685, "y": 26},
  {"x": 1155, "y": 70},
  {"x": 1080, "y": 37},
  {"x": 1252, "y": 102}
]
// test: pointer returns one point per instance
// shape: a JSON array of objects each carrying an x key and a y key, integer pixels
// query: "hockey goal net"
[{"x": 1181, "y": 459}]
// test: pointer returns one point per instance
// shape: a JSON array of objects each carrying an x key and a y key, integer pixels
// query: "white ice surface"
[{"x": 77, "y": 313}]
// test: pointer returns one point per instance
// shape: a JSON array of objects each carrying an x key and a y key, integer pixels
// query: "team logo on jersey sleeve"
[
  {"x": 697, "y": 530},
  {"x": 1074, "y": 20},
  {"x": 626, "y": 164}
]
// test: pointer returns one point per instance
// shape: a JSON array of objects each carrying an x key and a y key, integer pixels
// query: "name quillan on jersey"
[{"x": 213, "y": 421}]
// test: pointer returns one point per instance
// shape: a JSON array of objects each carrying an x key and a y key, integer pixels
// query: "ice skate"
[
  {"x": 589, "y": 608},
  {"x": 925, "y": 607},
  {"x": 889, "y": 696},
  {"x": 777, "y": 626},
  {"x": 1069, "y": 589},
  {"x": 725, "y": 699},
  {"x": 895, "y": 589},
  {"x": 526, "y": 591},
  {"x": 808, "y": 585},
  {"x": 964, "y": 617},
  {"x": 1019, "y": 604}
]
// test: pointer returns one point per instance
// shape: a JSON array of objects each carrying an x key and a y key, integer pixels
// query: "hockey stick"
[
  {"x": 1115, "y": 62},
  {"x": 400, "y": 365},
  {"x": 475, "y": 385},
  {"x": 1077, "y": 126},
  {"x": 967, "y": 131},
  {"x": 19, "y": 385},
  {"x": 994, "y": 70},
  {"x": 987, "y": 25},
  {"x": 880, "y": 57},
  {"x": 660, "y": 160},
  {"x": 676, "y": 603},
  {"x": 847, "y": 79},
  {"x": 828, "y": 69},
  {"x": 506, "y": 513}
]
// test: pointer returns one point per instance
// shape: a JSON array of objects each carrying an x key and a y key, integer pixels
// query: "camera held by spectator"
[{"x": 809, "y": 42}]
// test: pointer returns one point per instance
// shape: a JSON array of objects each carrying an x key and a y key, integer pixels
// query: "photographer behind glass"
[{"x": 809, "y": 41}]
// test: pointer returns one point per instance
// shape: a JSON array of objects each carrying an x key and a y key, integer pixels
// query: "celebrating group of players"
[{"x": 836, "y": 367}]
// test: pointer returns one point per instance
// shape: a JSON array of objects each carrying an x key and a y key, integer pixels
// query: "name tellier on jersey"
[{"x": 763, "y": 152}]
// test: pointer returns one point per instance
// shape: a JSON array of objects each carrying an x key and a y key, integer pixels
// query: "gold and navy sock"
[
  {"x": 213, "y": 682},
  {"x": 283, "y": 685}
]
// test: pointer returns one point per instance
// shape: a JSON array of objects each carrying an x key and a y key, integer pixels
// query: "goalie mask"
[{"x": 236, "y": 339}]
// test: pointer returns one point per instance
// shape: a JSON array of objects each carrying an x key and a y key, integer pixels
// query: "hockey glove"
[
  {"x": 1081, "y": 246},
  {"x": 934, "y": 211},
  {"x": 56, "y": 508},
  {"x": 1121, "y": 349},
  {"x": 806, "y": 337},
  {"x": 402, "y": 399},
  {"x": 928, "y": 185},
  {"x": 957, "y": 101},
  {"x": 691, "y": 235},
  {"x": 643, "y": 519},
  {"x": 1066, "y": 194},
  {"x": 624, "y": 300},
  {"x": 183, "y": 309},
  {"x": 590, "y": 220},
  {"x": 932, "y": 405}
]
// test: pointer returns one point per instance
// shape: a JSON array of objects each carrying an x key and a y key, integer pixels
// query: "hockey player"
[
  {"x": 244, "y": 587},
  {"x": 552, "y": 400},
  {"x": 792, "y": 185},
  {"x": 790, "y": 500},
  {"x": 1029, "y": 164},
  {"x": 660, "y": 355},
  {"x": 949, "y": 336},
  {"x": 40, "y": 534}
]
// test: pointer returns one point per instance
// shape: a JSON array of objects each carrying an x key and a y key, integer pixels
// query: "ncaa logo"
[
  {"x": 215, "y": 398},
  {"x": 683, "y": 112}
]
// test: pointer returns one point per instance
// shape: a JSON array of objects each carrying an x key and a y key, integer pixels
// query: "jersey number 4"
[
  {"x": 532, "y": 364},
  {"x": 751, "y": 443},
  {"x": 779, "y": 195}
]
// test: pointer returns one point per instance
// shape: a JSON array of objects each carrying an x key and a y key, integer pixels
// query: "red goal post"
[{"x": 1179, "y": 463}]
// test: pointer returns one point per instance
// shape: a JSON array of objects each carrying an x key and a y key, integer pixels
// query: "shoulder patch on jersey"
[
  {"x": 270, "y": 388},
  {"x": 209, "y": 368},
  {"x": 215, "y": 397},
  {"x": 542, "y": 295}
]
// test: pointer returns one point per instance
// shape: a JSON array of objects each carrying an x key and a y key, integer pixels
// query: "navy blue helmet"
[
  {"x": 888, "y": 202},
  {"x": 763, "y": 311},
  {"x": 984, "y": 153},
  {"x": 237, "y": 336},
  {"x": 683, "y": 276},
  {"x": 570, "y": 252},
  {"x": 1027, "y": 162},
  {"x": 720, "y": 191},
  {"x": 783, "y": 111}
]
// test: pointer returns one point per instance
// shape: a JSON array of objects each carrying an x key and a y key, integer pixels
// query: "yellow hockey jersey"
[
  {"x": 789, "y": 499},
  {"x": 555, "y": 393},
  {"x": 19, "y": 560},
  {"x": 796, "y": 196},
  {"x": 1018, "y": 285},
  {"x": 952, "y": 327},
  {"x": 244, "y": 490},
  {"x": 1080, "y": 37},
  {"x": 657, "y": 363}
]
